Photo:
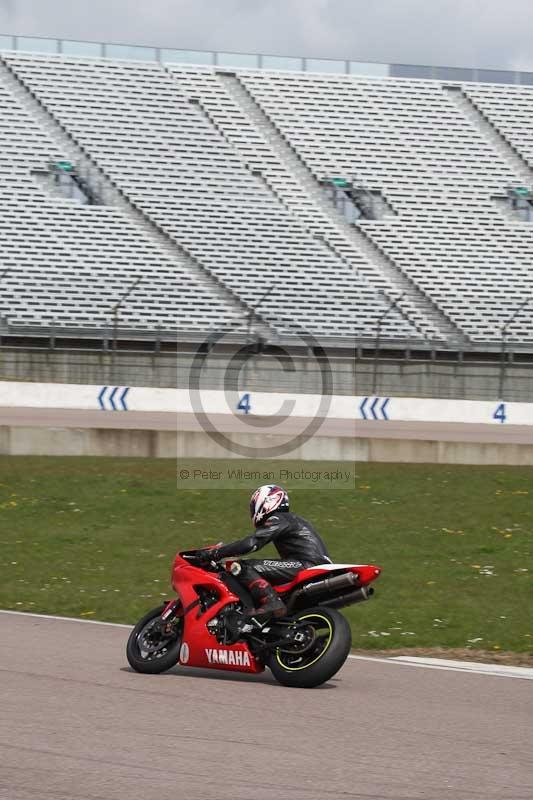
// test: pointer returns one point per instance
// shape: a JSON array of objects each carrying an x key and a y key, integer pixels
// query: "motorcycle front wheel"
[
  {"x": 154, "y": 646},
  {"x": 324, "y": 642}
]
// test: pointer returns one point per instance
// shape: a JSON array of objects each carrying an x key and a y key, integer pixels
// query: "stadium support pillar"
[
  {"x": 251, "y": 317},
  {"x": 503, "y": 351},
  {"x": 115, "y": 312},
  {"x": 377, "y": 343},
  {"x": 3, "y": 316}
]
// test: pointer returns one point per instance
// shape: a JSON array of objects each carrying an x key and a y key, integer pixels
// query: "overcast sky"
[{"x": 482, "y": 33}]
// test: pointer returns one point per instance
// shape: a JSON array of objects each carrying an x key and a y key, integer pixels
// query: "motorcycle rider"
[{"x": 295, "y": 539}]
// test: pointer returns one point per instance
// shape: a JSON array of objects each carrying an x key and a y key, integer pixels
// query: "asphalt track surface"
[
  {"x": 77, "y": 724},
  {"x": 227, "y": 423}
]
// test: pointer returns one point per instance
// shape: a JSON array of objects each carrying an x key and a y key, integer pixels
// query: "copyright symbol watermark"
[
  {"x": 185, "y": 474},
  {"x": 238, "y": 427}
]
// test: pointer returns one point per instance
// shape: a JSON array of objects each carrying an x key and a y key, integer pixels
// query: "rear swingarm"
[{"x": 295, "y": 639}]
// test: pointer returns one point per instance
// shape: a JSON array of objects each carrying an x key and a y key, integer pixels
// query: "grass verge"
[{"x": 95, "y": 537}]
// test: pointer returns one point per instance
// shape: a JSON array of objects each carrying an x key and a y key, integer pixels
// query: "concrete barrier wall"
[
  {"x": 121, "y": 399},
  {"x": 188, "y": 444},
  {"x": 16, "y": 439}
]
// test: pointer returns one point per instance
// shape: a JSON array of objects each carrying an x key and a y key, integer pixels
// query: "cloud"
[{"x": 484, "y": 33}]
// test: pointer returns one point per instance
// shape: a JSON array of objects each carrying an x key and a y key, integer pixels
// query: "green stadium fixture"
[{"x": 64, "y": 166}]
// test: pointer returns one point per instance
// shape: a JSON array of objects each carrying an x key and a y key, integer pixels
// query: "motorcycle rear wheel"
[
  {"x": 326, "y": 655},
  {"x": 148, "y": 650}
]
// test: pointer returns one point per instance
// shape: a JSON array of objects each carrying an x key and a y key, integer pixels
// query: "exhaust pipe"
[
  {"x": 335, "y": 584},
  {"x": 364, "y": 593},
  {"x": 330, "y": 584}
]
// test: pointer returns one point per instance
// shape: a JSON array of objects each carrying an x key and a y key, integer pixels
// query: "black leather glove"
[{"x": 203, "y": 556}]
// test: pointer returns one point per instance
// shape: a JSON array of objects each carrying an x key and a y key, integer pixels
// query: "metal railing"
[
  {"x": 104, "y": 336},
  {"x": 165, "y": 55},
  {"x": 265, "y": 373}
]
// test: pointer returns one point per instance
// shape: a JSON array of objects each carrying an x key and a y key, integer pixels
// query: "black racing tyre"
[
  {"x": 323, "y": 657},
  {"x": 151, "y": 651}
]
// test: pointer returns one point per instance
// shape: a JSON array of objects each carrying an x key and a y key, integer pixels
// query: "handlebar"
[{"x": 192, "y": 558}]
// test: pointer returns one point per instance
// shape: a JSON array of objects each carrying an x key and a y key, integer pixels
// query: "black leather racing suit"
[{"x": 295, "y": 539}]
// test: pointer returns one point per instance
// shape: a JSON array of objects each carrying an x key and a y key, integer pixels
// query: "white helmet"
[{"x": 266, "y": 500}]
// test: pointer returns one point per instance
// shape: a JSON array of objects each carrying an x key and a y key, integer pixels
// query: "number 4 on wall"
[
  {"x": 244, "y": 403},
  {"x": 500, "y": 414}
]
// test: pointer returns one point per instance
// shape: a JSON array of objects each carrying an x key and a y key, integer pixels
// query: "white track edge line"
[
  {"x": 66, "y": 619},
  {"x": 479, "y": 666},
  {"x": 472, "y": 667},
  {"x": 478, "y": 669}
]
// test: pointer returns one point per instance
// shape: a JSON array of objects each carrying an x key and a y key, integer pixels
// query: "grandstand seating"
[
  {"x": 408, "y": 140},
  {"x": 182, "y": 147},
  {"x": 170, "y": 160},
  {"x": 254, "y": 147},
  {"x": 70, "y": 263},
  {"x": 510, "y": 110}
]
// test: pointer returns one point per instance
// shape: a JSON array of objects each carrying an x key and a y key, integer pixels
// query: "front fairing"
[{"x": 200, "y": 647}]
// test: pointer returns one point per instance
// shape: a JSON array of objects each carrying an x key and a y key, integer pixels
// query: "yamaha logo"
[{"x": 238, "y": 658}]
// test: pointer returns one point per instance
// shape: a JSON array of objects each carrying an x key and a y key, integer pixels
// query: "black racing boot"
[{"x": 268, "y": 603}]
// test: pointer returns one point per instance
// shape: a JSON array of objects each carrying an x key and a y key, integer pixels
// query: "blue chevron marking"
[
  {"x": 112, "y": 398},
  {"x": 101, "y": 398},
  {"x": 122, "y": 398}
]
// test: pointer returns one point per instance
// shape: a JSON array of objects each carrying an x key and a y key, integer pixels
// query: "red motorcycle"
[{"x": 207, "y": 625}]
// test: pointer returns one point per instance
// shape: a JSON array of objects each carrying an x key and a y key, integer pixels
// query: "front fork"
[{"x": 171, "y": 610}]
